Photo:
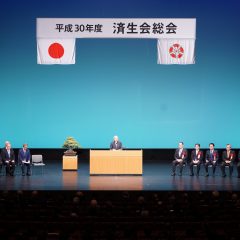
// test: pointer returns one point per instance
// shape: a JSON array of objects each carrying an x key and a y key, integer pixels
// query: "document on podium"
[{"x": 26, "y": 162}]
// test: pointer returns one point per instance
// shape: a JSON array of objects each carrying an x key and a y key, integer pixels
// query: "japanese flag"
[
  {"x": 176, "y": 51},
  {"x": 55, "y": 51}
]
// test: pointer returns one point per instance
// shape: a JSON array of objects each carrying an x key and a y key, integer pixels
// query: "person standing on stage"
[
  {"x": 211, "y": 159},
  {"x": 196, "y": 159},
  {"x": 8, "y": 158},
  {"x": 228, "y": 157},
  {"x": 116, "y": 144},
  {"x": 24, "y": 159},
  {"x": 180, "y": 157}
]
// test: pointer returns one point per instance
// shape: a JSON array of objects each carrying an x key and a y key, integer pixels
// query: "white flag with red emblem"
[
  {"x": 55, "y": 51},
  {"x": 176, "y": 51}
]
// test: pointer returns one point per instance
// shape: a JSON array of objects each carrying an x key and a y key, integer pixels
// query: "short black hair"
[
  {"x": 197, "y": 144},
  {"x": 181, "y": 143},
  {"x": 212, "y": 144}
]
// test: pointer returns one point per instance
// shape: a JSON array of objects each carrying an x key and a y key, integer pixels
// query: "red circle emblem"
[
  {"x": 56, "y": 50},
  {"x": 176, "y": 51}
]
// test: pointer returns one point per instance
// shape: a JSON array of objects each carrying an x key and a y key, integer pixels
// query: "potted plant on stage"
[
  {"x": 70, "y": 158},
  {"x": 70, "y": 143}
]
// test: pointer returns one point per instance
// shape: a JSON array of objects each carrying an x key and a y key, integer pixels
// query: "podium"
[
  {"x": 70, "y": 163},
  {"x": 116, "y": 162}
]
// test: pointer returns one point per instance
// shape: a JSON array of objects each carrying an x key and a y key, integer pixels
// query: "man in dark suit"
[
  {"x": 180, "y": 157},
  {"x": 1, "y": 161},
  {"x": 24, "y": 158},
  {"x": 116, "y": 144},
  {"x": 211, "y": 159},
  {"x": 228, "y": 157},
  {"x": 196, "y": 159},
  {"x": 8, "y": 158}
]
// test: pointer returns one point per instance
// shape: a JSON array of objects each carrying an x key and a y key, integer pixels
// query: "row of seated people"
[
  {"x": 211, "y": 159},
  {"x": 129, "y": 215},
  {"x": 69, "y": 205},
  {"x": 7, "y": 159}
]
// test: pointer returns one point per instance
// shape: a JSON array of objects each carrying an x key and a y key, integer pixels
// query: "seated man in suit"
[
  {"x": 180, "y": 157},
  {"x": 211, "y": 159},
  {"x": 196, "y": 159},
  {"x": 1, "y": 161},
  {"x": 8, "y": 158},
  {"x": 228, "y": 157},
  {"x": 24, "y": 158},
  {"x": 115, "y": 144}
]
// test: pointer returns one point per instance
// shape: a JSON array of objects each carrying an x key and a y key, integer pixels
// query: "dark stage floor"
[{"x": 157, "y": 176}]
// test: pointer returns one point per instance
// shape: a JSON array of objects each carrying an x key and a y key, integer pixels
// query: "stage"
[{"x": 156, "y": 176}]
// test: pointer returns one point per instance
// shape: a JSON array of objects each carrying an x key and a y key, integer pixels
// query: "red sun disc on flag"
[
  {"x": 176, "y": 51},
  {"x": 56, "y": 50}
]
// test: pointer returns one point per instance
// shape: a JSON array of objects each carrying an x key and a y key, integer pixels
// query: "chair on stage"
[
  {"x": 3, "y": 169},
  {"x": 195, "y": 167},
  {"x": 18, "y": 169},
  {"x": 37, "y": 161},
  {"x": 217, "y": 169},
  {"x": 228, "y": 167},
  {"x": 185, "y": 168}
]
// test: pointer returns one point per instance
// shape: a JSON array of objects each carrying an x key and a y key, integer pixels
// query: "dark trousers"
[
  {"x": 23, "y": 166},
  {"x": 10, "y": 167},
  {"x": 196, "y": 164},
  {"x": 175, "y": 163},
  {"x": 238, "y": 169},
  {"x": 223, "y": 165},
  {"x": 210, "y": 163}
]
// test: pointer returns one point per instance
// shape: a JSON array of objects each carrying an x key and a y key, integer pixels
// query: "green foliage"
[{"x": 71, "y": 143}]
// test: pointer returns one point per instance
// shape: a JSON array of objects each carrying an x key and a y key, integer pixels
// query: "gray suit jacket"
[{"x": 115, "y": 146}]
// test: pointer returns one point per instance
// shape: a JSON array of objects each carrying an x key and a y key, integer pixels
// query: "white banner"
[
  {"x": 176, "y": 51},
  {"x": 56, "y": 36},
  {"x": 56, "y": 51},
  {"x": 116, "y": 28}
]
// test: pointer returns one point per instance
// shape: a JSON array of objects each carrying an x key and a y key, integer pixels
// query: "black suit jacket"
[
  {"x": 231, "y": 156},
  {"x": 211, "y": 157},
  {"x": 116, "y": 147},
  {"x": 5, "y": 156},
  {"x": 183, "y": 155},
  {"x": 198, "y": 156}
]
